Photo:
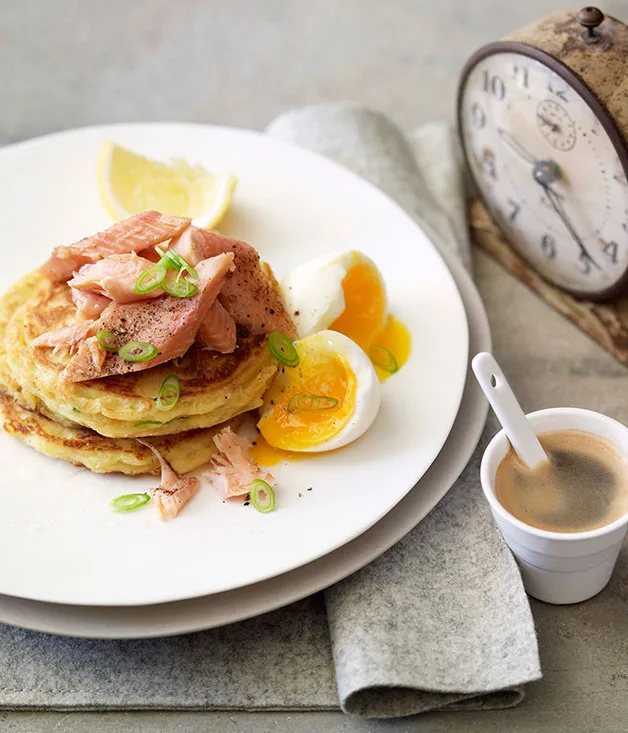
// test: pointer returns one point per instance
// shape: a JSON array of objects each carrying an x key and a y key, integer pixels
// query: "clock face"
[{"x": 547, "y": 170}]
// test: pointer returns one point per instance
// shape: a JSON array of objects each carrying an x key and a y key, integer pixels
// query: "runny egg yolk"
[
  {"x": 364, "y": 315},
  {"x": 321, "y": 372}
]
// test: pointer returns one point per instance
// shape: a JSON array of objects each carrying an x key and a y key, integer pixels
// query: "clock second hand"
[{"x": 558, "y": 208}]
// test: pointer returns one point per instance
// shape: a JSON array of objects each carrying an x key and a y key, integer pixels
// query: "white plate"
[
  {"x": 222, "y": 608},
  {"x": 292, "y": 205}
]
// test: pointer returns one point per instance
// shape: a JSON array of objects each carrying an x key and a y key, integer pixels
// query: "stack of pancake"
[{"x": 95, "y": 423}]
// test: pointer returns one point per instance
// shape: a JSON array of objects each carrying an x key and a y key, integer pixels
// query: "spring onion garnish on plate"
[
  {"x": 383, "y": 358},
  {"x": 282, "y": 349},
  {"x": 107, "y": 340},
  {"x": 128, "y": 502},
  {"x": 156, "y": 276},
  {"x": 150, "y": 279},
  {"x": 310, "y": 402},
  {"x": 136, "y": 351},
  {"x": 173, "y": 261},
  {"x": 169, "y": 393},
  {"x": 148, "y": 424},
  {"x": 180, "y": 288},
  {"x": 262, "y": 496}
]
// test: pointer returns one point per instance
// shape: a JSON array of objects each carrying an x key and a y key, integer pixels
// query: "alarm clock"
[{"x": 543, "y": 122}]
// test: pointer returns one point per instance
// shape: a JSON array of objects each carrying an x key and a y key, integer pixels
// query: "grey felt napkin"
[{"x": 439, "y": 621}]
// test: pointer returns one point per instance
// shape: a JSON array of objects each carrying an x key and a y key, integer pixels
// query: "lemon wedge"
[{"x": 130, "y": 183}]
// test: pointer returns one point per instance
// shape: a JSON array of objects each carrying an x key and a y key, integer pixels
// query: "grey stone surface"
[
  {"x": 66, "y": 63},
  {"x": 242, "y": 62}
]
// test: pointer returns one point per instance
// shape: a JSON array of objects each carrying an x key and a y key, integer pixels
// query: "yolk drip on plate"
[
  {"x": 265, "y": 455},
  {"x": 290, "y": 420},
  {"x": 396, "y": 339}
]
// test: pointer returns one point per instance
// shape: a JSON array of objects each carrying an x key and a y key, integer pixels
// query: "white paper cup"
[{"x": 559, "y": 567}]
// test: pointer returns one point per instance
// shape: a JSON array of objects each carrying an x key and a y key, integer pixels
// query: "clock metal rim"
[{"x": 616, "y": 138}]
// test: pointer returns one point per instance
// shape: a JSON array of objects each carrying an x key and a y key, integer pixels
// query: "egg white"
[{"x": 313, "y": 292}]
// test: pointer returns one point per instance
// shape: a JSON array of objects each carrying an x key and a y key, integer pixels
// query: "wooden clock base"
[{"x": 606, "y": 322}]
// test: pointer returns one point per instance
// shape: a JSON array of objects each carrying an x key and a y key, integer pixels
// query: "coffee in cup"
[{"x": 584, "y": 485}]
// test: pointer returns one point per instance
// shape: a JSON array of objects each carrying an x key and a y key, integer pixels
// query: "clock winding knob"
[{"x": 589, "y": 18}]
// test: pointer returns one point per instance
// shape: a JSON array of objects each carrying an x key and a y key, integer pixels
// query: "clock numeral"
[
  {"x": 521, "y": 74},
  {"x": 516, "y": 208},
  {"x": 488, "y": 161},
  {"x": 560, "y": 93},
  {"x": 548, "y": 246},
  {"x": 495, "y": 85},
  {"x": 585, "y": 262},
  {"x": 478, "y": 117},
  {"x": 610, "y": 250}
]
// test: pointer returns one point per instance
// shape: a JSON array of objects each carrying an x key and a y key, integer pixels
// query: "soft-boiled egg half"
[
  {"x": 346, "y": 293},
  {"x": 328, "y": 400}
]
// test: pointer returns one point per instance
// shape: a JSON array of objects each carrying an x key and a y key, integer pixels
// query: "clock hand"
[
  {"x": 546, "y": 172},
  {"x": 545, "y": 121},
  {"x": 514, "y": 145},
  {"x": 558, "y": 208}
]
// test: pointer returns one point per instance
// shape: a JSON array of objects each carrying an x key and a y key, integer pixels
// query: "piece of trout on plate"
[{"x": 168, "y": 324}]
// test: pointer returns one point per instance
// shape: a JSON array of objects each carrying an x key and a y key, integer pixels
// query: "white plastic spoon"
[{"x": 508, "y": 410}]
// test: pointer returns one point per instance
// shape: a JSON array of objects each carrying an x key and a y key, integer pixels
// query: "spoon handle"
[{"x": 508, "y": 410}]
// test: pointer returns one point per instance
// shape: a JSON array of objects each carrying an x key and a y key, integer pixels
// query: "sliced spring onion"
[
  {"x": 166, "y": 258},
  {"x": 173, "y": 261},
  {"x": 262, "y": 496},
  {"x": 170, "y": 258},
  {"x": 282, "y": 349},
  {"x": 107, "y": 340},
  {"x": 383, "y": 358},
  {"x": 150, "y": 279},
  {"x": 180, "y": 288},
  {"x": 136, "y": 351},
  {"x": 148, "y": 424},
  {"x": 306, "y": 401},
  {"x": 129, "y": 502},
  {"x": 169, "y": 393}
]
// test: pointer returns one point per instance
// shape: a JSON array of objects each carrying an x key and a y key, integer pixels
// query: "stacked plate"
[{"x": 78, "y": 569}]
